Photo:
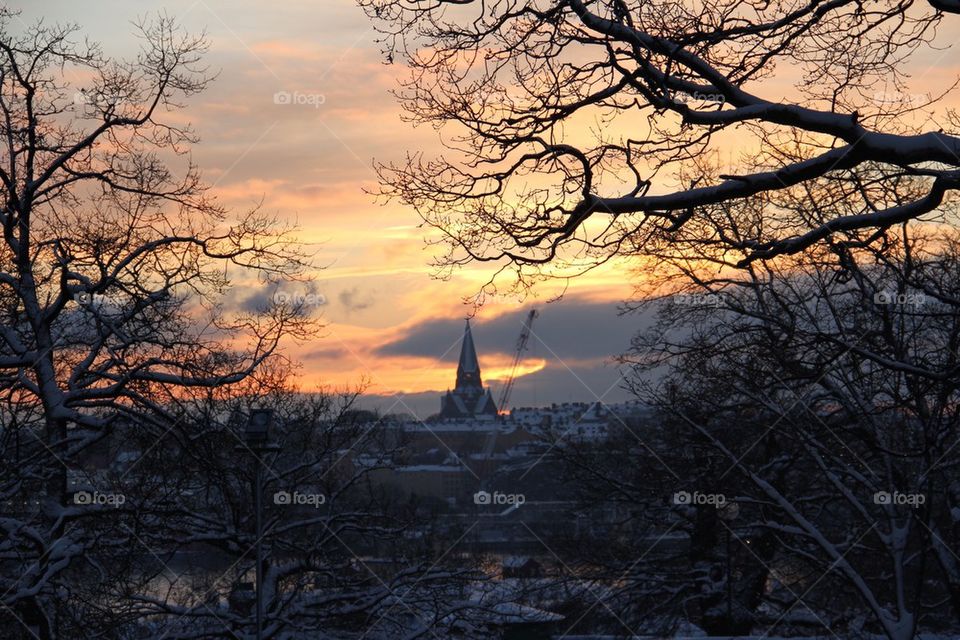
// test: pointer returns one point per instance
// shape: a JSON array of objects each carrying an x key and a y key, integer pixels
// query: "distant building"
[
  {"x": 468, "y": 399},
  {"x": 521, "y": 567}
]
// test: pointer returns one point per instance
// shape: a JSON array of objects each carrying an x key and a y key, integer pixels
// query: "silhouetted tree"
[
  {"x": 112, "y": 274},
  {"x": 577, "y": 130}
]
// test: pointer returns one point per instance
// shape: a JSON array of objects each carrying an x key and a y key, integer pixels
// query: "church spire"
[
  {"x": 468, "y": 399},
  {"x": 468, "y": 369}
]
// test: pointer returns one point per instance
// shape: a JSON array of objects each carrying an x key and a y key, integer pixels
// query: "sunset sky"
[{"x": 386, "y": 318}]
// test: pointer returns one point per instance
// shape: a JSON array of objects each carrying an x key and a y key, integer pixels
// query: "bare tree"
[
  {"x": 113, "y": 267},
  {"x": 843, "y": 366},
  {"x": 576, "y": 129}
]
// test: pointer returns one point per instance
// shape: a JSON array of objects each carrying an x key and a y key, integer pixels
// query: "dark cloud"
[
  {"x": 294, "y": 293},
  {"x": 259, "y": 300},
  {"x": 568, "y": 329},
  {"x": 577, "y": 339},
  {"x": 431, "y": 339}
]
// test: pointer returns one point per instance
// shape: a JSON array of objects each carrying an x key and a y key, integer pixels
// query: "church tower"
[{"x": 468, "y": 399}]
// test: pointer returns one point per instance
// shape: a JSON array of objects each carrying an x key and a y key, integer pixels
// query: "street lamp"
[
  {"x": 257, "y": 433},
  {"x": 257, "y": 438}
]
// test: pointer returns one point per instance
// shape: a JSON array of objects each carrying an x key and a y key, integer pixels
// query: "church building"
[{"x": 468, "y": 399}]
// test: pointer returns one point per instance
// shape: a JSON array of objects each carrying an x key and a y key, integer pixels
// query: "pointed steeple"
[
  {"x": 468, "y": 369},
  {"x": 468, "y": 399}
]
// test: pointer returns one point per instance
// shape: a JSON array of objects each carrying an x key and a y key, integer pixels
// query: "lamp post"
[{"x": 257, "y": 439}]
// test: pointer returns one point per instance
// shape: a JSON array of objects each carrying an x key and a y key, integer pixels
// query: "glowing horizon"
[{"x": 300, "y": 109}]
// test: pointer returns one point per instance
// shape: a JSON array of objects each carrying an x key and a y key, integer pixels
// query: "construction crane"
[
  {"x": 517, "y": 357},
  {"x": 486, "y": 455},
  {"x": 491, "y": 441}
]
